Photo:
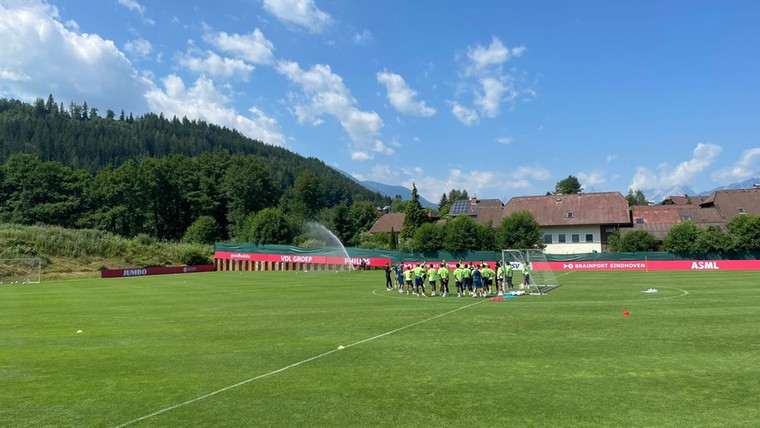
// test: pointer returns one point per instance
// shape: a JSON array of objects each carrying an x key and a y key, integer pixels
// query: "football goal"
[
  {"x": 541, "y": 278},
  {"x": 20, "y": 271}
]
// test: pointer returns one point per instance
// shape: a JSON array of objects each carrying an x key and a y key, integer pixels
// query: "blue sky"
[{"x": 501, "y": 98}]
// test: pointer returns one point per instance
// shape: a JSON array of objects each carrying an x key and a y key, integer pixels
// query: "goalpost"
[
  {"x": 541, "y": 279},
  {"x": 20, "y": 271}
]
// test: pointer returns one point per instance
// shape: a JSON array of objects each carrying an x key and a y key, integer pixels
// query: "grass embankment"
[{"x": 68, "y": 253}]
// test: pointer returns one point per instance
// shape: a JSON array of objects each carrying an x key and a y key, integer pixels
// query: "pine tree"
[
  {"x": 443, "y": 202},
  {"x": 414, "y": 215},
  {"x": 392, "y": 240}
]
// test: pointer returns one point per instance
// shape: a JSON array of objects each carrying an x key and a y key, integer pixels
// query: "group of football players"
[{"x": 470, "y": 279}]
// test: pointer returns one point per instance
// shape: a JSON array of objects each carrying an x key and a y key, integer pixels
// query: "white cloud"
[
  {"x": 361, "y": 156},
  {"x": 748, "y": 166},
  {"x": 204, "y": 101},
  {"x": 518, "y": 51},
  {"x": 487, "y": 82},
  {"x": 380, "y": 147},
  {"x": 382, "y": 171},
  {"x": 534, "y": 172},
  {"x": 135, "y": 6},
  {"x": 71, "y": 24},
  {"x": 13, "y": 76},
  {"x": 216, "y": 66},
  {"x": 504, "y": 140},
  {"x": 324, "y": 93},
  {"x": 40, "y": 56},
  {"x": 611, "y": 158},
  {"x": 465, "y": 115},
  {"x": 483, "y": 57},
  {"x": 252, "y": 47},
  {"x": 303, "y": 13},
  {"x": 475, "y": 182},
  {"x": 680, "y": 175},
  {"x": 490, "y": 99},
  {"x": 132, "y": 5},
  {"x": 363, "y": 38},
  {"x": 139, "y": 48},
  {"x": 402, "y": 97},
  {"x": 590, "y": 179}
]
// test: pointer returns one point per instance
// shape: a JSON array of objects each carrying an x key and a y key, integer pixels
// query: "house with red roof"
[
  {"x": 574, "y": 223},
  {"x": 717, "y": 209},
  {"x": 582, "y": 223}
]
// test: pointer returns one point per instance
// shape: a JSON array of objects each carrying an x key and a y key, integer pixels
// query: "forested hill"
[
  {"x": 86, "y": 139},
  {"x": 95, "y": 147}
]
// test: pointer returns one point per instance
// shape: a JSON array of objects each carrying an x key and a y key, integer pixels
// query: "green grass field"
[{"x": 261, "y": 349}]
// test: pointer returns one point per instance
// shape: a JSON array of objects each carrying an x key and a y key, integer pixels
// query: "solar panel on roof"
[{"x": 460, "y": 207}]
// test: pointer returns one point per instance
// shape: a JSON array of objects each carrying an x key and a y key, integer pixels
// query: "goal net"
[
  {"x": 20, "y": 271},
  {"x": 541, "y": 278}
]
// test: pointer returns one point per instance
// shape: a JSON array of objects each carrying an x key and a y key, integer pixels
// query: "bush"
[
  {"x": 144, "y": 239},
  {"x": 634, "y": 241},
  {"x": 194, "y": 256},
  {"x": 204, "y": 230},
  {"x": 682, "y": 238}
]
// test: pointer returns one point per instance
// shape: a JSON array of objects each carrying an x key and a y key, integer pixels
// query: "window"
[
  {"x": 569, "y": 214},
  {"x": 609, "y": 229},
  {"x": 589, "y": 237},
  {"x": 686, "y": 218},
  {"x": 575, "y": 237},
  {"x": 742, "y": 210},
  {"x": 561, "y": 238},
  {"x": 639, "y": 220},
  {"x": 548, "y": 238}
]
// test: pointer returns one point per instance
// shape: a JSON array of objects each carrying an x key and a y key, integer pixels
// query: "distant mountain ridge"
[
  {"x": 391, "y": 192},
  {"x": 388, "y": 190},
  {"x": 658, "y": 195},
  {"x": 746, "y": 184}
]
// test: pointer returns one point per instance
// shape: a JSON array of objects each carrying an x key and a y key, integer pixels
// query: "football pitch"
[{"x": 337, "y": 349}]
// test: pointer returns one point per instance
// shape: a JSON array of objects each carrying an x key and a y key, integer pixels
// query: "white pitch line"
[{"x": 280, "y": 370}]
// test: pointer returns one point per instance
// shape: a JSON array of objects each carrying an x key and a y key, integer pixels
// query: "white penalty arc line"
[
  {"x": 280, "y": 370},
  {"x": 654, "y": 299}
]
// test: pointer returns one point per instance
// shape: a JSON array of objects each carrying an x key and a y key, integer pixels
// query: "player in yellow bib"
[
  {"x": 458, "y": 280},
  {"x": 408, "y": 279},
  {"x": 499, "y": 279},
  {"x": 443, "y": 274},
  {"x": 432, "y": 278}
]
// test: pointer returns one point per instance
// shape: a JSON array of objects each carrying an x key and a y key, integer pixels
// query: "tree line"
[
  {"x": 206, "y": 198},
  {"x": 740, "y": 234}
]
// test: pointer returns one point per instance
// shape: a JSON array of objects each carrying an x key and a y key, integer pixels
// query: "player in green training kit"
[
  {"x": 458, "y": 281},
  {"x": 419, "y": 281},
  {"x": 407, "y": 279},
  {"x": 510, "y": 273},
  {"x": 488, "y": 275},
  {"x": 443, "y": 274},
  {"x": 499, "y": 279},
  {"x": 467, "y": 279},
  {"x": 526, "y": 275},
  {"x": 432, "y": 277}
]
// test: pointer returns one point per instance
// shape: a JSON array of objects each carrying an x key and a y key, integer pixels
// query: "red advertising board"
[
  {"x": 122, "y": 273},
  {"x": 645, "y": 265},
  {"x": 296, "y": 258}
]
